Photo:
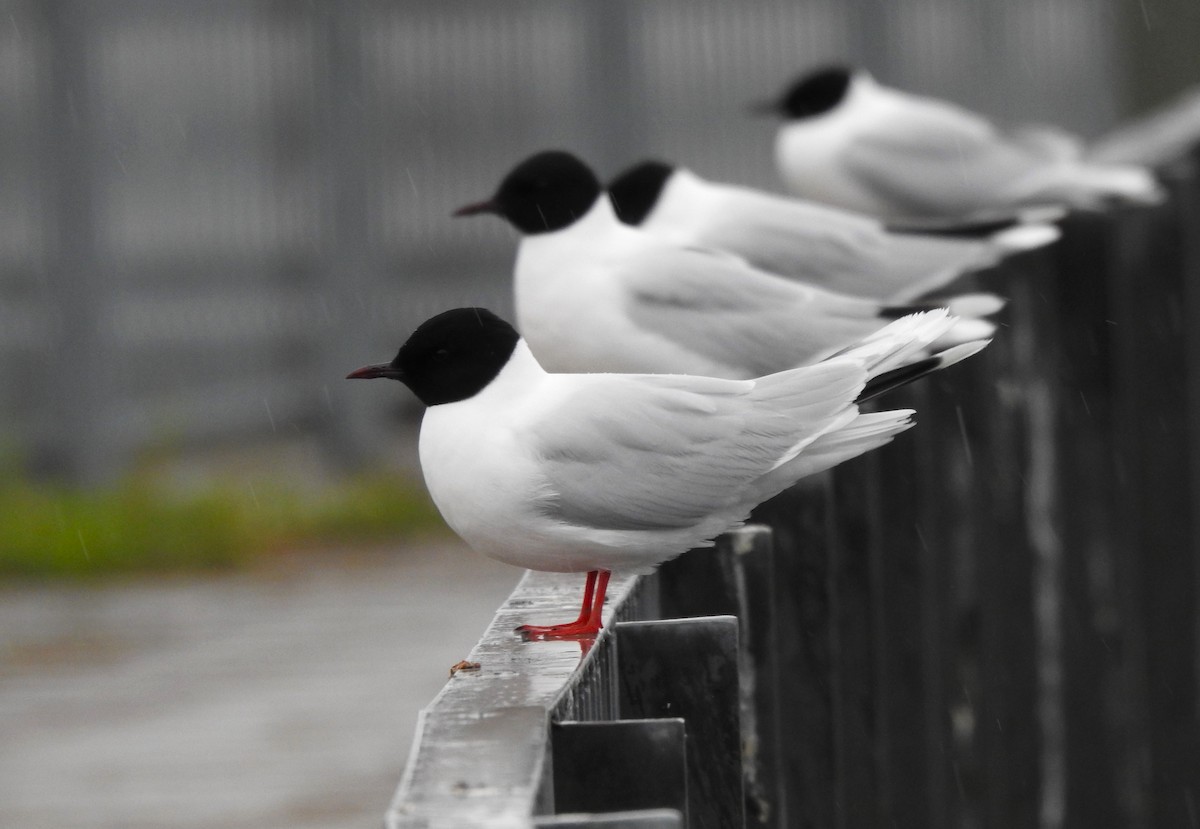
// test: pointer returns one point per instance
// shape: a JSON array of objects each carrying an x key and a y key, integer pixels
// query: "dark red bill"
[
  {"x": 478, "y": 207},
  {"x": 374, "y": 372}
]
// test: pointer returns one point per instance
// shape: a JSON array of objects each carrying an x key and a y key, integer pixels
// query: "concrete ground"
[{"x": 284, "y": 697}]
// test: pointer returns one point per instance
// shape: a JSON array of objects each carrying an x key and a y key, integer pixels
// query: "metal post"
[
  {"x": 348, "y": 270},
  {"x": 77, "y": 376}
]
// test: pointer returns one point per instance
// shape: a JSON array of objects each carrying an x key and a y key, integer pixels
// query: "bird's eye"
[{"x": 442, "y": 353}]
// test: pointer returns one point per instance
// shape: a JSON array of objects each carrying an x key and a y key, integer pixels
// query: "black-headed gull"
[
  {"x": 594, "y": 294},
  {"x": 602, "y": 473},
  {"x": 852, "y": 142},
  {"x": 822, "y": 245}
]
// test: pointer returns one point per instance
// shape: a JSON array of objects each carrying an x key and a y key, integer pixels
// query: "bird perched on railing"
[
  {"x": 594, "y": 294},
  {"x": 852, "y": 142},
  {"x": 835, "y": 249},
  {"x": 595, "y": 473}
]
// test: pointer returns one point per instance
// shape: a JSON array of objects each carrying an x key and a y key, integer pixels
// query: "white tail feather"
[
  {"x": 974, "y": 305},
  {"x": 902, "y": 341},
  {"x": 864, "y": 433},
  {"x": 966, "y": 331},
  {"x": 1130, "y": 184},
  {"x": 1026, "y": 237}
]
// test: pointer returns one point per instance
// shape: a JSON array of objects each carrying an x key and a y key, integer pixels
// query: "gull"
[
  {"x": 836, "y": 249},
  {"x": 594, "y": 294},
  {"x": 850, "y": 141},
  {"x": 604, "y": 473}
]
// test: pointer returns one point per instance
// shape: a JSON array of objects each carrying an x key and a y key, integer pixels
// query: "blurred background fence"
[{"x": 211, "y": 210}]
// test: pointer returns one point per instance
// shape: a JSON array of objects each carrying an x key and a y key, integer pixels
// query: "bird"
[
  {"x": 826, "y": 246},
  {"x": 594, "y": 294},
  {"x": 850, "y": 141},
  {"x": 601, "y": 473}
]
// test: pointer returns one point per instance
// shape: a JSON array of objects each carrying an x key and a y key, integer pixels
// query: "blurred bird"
[
  {"x": 851, "y": 142},
  {"x": 602, "y": 473},
  {"x": 593, "y": 294},
  {"x": 825, "y": 246}
]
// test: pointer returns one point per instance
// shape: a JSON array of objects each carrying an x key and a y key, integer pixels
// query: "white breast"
[{"x": 484, "y": 477}]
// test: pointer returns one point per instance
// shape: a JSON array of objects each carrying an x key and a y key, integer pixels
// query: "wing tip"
[{"x": 958, "y": 353}]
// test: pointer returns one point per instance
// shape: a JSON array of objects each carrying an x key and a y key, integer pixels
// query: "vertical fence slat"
[
  {"x": 1094, "y": 653},
  {"x": 853, "y": 603},
  {"x": 1158, "y": 498},
  {"x": 903, "y": 603},
  {"x": 800, "y": 524},
  {"x": 77, "y": 379},
  {"x": 689, "y": 668},
  {"x": 1006, "y": 714},
  {"x": 1188, "y": 207},
  {"x": 737, "y": 578},
  {"x": 934, "y": 442},
  {"x": 348, "y": 285},
  {"x": 619, "y": 766}
]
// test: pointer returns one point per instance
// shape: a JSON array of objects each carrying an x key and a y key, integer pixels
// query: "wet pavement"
[{"x": 285, "y": 697}]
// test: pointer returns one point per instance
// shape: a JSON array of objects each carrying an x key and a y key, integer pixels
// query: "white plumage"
[
  {"x": 594, "y": 294},
  {"x": 580, "y": 472},
  {"x": 893, "y": 154},
  {"x": 836, "y": 249},
  {"x": 599, "y": 473}
]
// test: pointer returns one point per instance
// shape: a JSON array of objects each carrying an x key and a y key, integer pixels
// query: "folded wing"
[{"x": 658, "y": 452}]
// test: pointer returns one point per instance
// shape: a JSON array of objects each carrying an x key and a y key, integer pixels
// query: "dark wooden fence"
[{"x": 990, "y": 623}]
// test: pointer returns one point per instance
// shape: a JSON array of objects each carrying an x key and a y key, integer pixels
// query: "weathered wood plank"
[
  {"x": 737, "y": 578},
  {"x": 902, "y": 607},
  {"x": 1005, "y": 455},
  {"x": 647, "y": 819},
  {"x": 689, "y": 668},
  {"x": 853, "y": 605},
  {"x": 1093, "y": 657},
  {"x": 480, "y": 754},
  {"x": 620, "y": 766},
  {"x": 1158, "y": 495},
  {"x": 801, "y": 521}
]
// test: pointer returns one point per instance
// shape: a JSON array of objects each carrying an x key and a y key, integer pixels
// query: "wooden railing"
[{"x": 991, "y": 622}]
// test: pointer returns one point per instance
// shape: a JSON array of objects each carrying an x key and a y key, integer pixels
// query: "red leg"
[{"x": 590, "y": 612}]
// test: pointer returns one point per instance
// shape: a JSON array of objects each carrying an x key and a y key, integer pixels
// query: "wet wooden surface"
[{"x": 481, "y": 754}]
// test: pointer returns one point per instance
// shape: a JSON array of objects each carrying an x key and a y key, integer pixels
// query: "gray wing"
[
  {"x": 791, "y": 237},
  {"x": 662, "y": 452},
  {"x": 835, "y": 249},
  {"x": 755, "y": 323},
  {"x": 1047, "y": 141},
  {"x": 937, "y": 160}
]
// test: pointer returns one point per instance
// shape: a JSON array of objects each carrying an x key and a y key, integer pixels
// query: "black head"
[
  {"x": 450, "y": 357},
  {"x": 545, "y": 192},
  {"x": 816, "y": 93},
  {"x": 635, "y": 191}
]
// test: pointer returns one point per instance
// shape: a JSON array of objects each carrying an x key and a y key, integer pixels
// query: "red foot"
[
  {"x": 588, "y": 623},
  {"x": 563, "y": 631}
]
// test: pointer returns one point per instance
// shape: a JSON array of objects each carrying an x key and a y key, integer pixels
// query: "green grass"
[{"x": 141, "y": 526}]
